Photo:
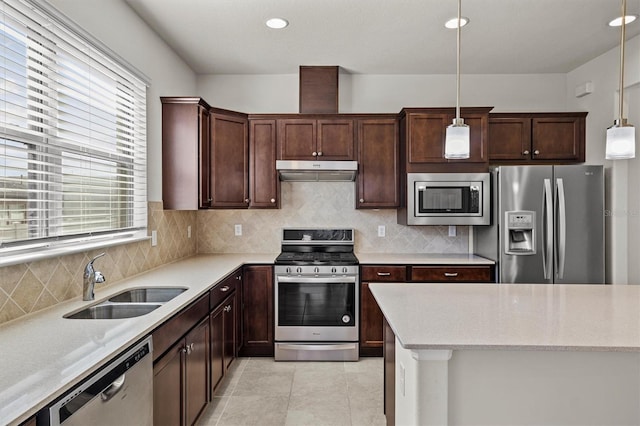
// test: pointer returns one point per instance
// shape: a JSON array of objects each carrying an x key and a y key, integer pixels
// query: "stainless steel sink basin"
[
  {"x": 114, "y": 311},
  {"x": 148, "y": 295}
]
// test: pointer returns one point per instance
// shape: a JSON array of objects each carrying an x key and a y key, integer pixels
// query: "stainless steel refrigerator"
[{"x": 547, "y": 225}]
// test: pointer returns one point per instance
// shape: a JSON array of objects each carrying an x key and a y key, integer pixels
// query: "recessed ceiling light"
[
  {"x": 618, "y": 21},
  {"x": 453, "y": 22},
  {"x": 277, "y": 23}
]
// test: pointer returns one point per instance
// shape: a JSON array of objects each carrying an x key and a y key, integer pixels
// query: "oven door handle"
[
  {"x": 307, "y": 347},
  {"x": 317, "y": 279}
]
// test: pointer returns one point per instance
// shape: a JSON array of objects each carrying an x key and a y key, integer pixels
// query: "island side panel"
[{"x": 544, "y": 387}]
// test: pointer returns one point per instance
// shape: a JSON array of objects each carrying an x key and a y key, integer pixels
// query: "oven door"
[{"x": 317, "y": 308}]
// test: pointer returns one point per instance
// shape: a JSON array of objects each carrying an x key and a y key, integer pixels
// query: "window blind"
[{"x": 72, "y": 133}]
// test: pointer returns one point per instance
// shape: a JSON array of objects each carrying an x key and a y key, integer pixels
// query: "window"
[{"x": 72, "y": 134}]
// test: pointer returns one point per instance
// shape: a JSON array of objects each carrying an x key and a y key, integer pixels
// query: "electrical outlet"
[
  {"x": 189, "y": 231},
  {"x": 401, "y": 382},
  {"x": 452, "y": 230},
  {"x": 381, "y": 231},
  {"x": 154, "y": 238},
  {"x": 238, "y": 230}
]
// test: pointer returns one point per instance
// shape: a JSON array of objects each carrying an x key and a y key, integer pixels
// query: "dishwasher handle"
[{"x": 113, "y": 388}]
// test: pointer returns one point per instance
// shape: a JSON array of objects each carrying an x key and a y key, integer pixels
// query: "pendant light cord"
[
  {"x": 458, "y": 63},
  {"x": 622, "y": 37}
]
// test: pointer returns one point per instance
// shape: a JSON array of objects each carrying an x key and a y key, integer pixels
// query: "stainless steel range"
[{"x": 317, "y": 296}]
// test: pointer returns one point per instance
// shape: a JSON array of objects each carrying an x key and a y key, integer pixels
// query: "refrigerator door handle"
[
  {"x": 547, "y": 229},
  {"x": 561, "y": 229}
]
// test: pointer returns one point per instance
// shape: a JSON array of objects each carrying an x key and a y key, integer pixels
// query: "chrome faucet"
[{"x": 90, "y": 278}]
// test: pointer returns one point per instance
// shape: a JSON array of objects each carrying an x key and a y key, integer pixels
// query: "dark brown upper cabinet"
[
  {"x": 229, "y": 159},
  {"x": 264, "y": 185},
  {"x": 527, "y": 138},
  {"x": 422, "y": 138},
  {"x": 311, "y": 138},
  {"x": 185, "y": 153},
  {"x": 318, "y": 89},
  {"x": 378, "y": 163}
]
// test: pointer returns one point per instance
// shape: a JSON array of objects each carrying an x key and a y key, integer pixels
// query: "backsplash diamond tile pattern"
[
  {"x": 29, "y": 287},
  {"x": 33, "y": 286},
  {"x": 319, "y": 205}
]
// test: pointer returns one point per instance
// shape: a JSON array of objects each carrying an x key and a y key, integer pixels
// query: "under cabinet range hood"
[{"x": 317, "y": 171}]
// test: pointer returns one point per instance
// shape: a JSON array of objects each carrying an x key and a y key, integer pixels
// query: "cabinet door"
[
  {"x": 257, "y": 317},
  {"x": 264, "y": 185},
  {"x": 204, "y": 173},
  {"x": 297, "y": 139},
  {"x": 196, "y": 369},
  {"x": 229, "y": 161},
  {"x": 335, "y": 140},
  {"x": 371, "y": 330},
  {"x": 167, "y": 387},
  {"x": 509, "y": 138},
  {"x": 185, "y": 153},
  {"x": 558, "y": 138},
  {"x": 426, "y": 134},
  {"x": 477, "y": 274},
  {"x": 378, "y": 163},
  {"x": 216, "y": 321},
  {"x": 229, "y": 313}
]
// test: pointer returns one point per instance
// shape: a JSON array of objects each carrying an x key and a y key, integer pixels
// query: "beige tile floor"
[{"x": 260, "y": 391}]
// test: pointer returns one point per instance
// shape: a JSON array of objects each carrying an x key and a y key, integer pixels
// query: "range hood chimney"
[{"x": 317, "y": 171}]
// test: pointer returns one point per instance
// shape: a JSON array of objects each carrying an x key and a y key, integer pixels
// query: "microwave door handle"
[
  {"x": 547, "y": 228},
  {"x": 561, "y": 229}
]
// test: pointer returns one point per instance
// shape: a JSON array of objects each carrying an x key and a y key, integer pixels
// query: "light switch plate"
[
  {"x": 238, "y": 230},
  {"x": 452, "y": 230},
  {"x": 381, "y": 231}
]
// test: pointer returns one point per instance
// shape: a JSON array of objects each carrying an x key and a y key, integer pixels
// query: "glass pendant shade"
[
  {"x": 456, "y": 145},
  {"x": 621, "y": 142}
]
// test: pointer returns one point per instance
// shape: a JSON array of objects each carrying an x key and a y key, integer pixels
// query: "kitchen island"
[{"x": 511, "y": 354}]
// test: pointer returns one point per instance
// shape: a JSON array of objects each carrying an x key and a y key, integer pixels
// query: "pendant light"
[
  {"x": 621, "y": 137},
  {"x": 456, "y": 143}
]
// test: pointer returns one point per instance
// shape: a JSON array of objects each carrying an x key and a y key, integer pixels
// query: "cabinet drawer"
[
  {"x": 451, "y": 274},
  {"x": 176, "y": 327},
  {"x": 222, "y": 290},
  {"x": 384, "y": 273}
]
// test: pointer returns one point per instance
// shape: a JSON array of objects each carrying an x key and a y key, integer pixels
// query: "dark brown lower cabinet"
[
  {"x": 181, "y": 379},
  {"x": 223, "y": 339},
  {"x": 370, "y": 324},
  {"x": 257, "y": 311}
]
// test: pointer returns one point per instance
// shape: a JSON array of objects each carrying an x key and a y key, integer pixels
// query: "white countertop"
[
  {"x": 422, "y": 259},
  {"x": 512, "y": 316},
  {"x": 42, "y": 355}
]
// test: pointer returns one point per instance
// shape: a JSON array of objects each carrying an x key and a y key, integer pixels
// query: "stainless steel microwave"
[{"x": 448, "y": 199}]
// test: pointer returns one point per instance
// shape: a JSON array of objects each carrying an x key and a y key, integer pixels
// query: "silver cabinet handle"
[
  {"x": 314, "y": 154},
  {"x": 451, "y": 274},
  {"x": 246, "y": 200},
  {"x": 362, "y": 200},
  {"x": 238, "y": 277},
  {"x": 536, "y": 152},
  {"x": 319, "y": 153},
  {"x": 384, "y": 274},
  {"x": 273, "y": 200},
  {"x": 225, "y": 288},
  {"x": 526, "y": 152}
]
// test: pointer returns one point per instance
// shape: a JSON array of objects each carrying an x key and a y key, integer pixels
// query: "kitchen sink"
[
  {"x": 148, "y": 295},
  {"x": 114, "y": 311}
]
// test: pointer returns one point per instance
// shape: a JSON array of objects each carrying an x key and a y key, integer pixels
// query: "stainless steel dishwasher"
[{"x": 119, "y": 394}]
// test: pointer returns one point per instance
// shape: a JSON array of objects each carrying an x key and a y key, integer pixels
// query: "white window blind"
[{"x": 72, "y": 134}]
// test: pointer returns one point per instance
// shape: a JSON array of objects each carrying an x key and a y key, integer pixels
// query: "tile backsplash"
[
  {"x": 33, "y": 286},
  {"x": 319, "y": 205},
  {"x": 29, "y": 287}
]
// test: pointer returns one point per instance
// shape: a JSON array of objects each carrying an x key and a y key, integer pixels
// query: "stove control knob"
[
  {"x": 334, "y": 270},
  {"x": 346, "y": 318},
  {"x": 299, "y": 270},
  {"x": 344, "y": 270},
  {"x": 316, "y": 270},
  {"x": 288, "y": 270}
]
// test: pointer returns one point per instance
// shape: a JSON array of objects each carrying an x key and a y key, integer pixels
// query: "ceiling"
[{"x": 386, "y": 36}]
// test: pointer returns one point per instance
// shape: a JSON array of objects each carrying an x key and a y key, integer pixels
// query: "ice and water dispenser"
[{"x": 520, "y": 230}]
